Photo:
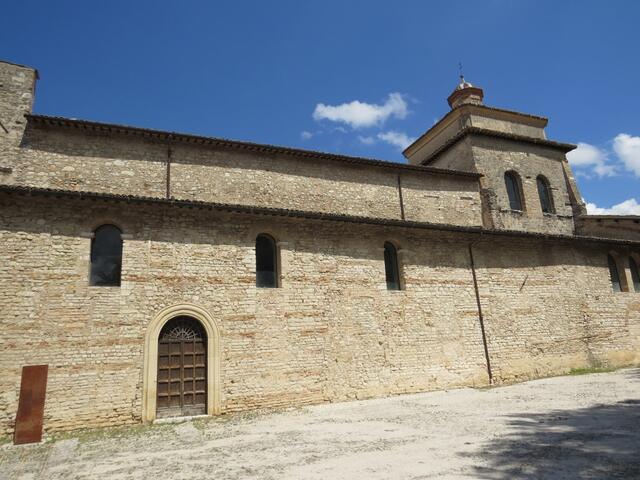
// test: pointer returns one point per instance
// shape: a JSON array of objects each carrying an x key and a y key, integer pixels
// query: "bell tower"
[{"x": 526, "y": 181}]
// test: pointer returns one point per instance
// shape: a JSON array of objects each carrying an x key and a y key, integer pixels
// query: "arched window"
[
  {"x": 544, "y": 192},
  {"x": 512, "y": 182},
  {"x": 266, "y": 262},
  {"x": 613, "y": 273},
  {"x": 391, "y": 266},
  {"x": 635, "y": 274},
  {"x": 106, "y": 256}
]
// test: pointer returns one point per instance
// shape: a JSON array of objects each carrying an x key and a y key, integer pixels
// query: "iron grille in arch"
[{"x": 182, "y": 328}]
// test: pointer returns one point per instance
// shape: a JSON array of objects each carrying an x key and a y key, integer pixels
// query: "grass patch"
[
  {"x": 588, "y": 370},
  {"x": 573, "y": 372},
  {"x": 102, "y": 433}
]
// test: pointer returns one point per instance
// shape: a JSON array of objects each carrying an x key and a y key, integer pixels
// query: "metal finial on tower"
[
  {"x": 463, "y": 83},
  {"x": 465, "y": 92}
]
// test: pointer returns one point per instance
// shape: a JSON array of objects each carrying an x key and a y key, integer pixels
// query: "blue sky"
[{"x": 290, "y": 72}]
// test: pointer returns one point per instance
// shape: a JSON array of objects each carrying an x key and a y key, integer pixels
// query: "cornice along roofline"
[
  {"x": 309, "y": 215},
  {"x": 531, "y": 120},
  {"x": 563, "y": 147},
  {"x": 239, "y": 145}
]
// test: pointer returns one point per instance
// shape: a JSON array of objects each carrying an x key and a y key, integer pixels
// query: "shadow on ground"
[{"x": 600, "y": 442}]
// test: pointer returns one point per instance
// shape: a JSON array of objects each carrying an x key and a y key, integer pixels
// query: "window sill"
[{"x": 513, "y": 212}]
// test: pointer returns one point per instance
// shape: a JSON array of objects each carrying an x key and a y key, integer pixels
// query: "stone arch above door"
[{"x": 150, "y": 372}]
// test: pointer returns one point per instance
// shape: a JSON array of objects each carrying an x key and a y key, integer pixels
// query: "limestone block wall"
[
  {"x": 609, "y": 226},
  {"x": 69, "y": 159},
  {"x": 552, "y": 308},
  {"x": 332, "y": 332},
  {"x": 199, "y": 173},
  {"x": 332, "y": 187},
  {"x": 17, "y": 86},
  {"x": 503, "y": 125},
  {"x": 494, "y": 157},
  {"x": 91, "y": 161}
]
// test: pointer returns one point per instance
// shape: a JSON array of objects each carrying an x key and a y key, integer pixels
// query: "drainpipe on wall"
[
  {"x": 169, "y": 153},
  {"x": 400, "y": 198},
  {"x": 480, "y": 317}
]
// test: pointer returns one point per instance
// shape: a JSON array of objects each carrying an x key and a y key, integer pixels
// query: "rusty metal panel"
[{"x": 33, "y": 388}]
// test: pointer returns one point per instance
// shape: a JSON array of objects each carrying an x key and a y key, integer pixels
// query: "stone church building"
[{"x": 162, "y": 274}]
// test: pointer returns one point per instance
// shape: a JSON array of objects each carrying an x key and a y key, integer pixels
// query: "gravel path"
[{"x": 558, "y": 428}]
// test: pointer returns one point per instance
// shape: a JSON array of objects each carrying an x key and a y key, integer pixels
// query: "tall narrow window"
[
  {"x": 613, "y": 273},
  {"x": 391, "y": 266},
  {"x": 635, "y": 274},
  {"x": 106, "y": 256},
  {"x": 544, "y": 192},
  {"x": 266, "y": 262},
  {"x": 512, "y": 182}
]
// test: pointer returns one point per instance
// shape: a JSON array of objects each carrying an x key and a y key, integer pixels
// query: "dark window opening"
[
  {"x": 544, "y": 192},
  {"x": 512, "y": 182},
  {"x": 635, "y": 274},
  {"x": 613, "y": 272},
  {"x": 106, "y": 256},
  {"x": 391, "y": 267},
  {"x": 266, "y": 262}
]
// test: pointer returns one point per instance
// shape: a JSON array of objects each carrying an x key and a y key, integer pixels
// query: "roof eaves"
[
  {"x": 615, "y": 218},
  {"x": 310, "y": 215},
  {"x": 564, "y": 147},
  {"x": 543, "y": 121}
]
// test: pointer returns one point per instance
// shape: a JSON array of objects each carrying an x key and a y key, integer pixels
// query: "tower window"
[
  {"x": 613, "y": 273},
  {"x": 514, "y": 189},
  {"x": 266, "y": 262},
  {"x": 391, "y": 266},
  {"x": 544, "y": 192},
  {"x": 106, "y": 256},
  {"x": 635, "y": 274}
]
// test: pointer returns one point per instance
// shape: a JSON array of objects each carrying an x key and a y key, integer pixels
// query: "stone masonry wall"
[
  {"x": 17, "y": 84},
  {"x": 332, "y": 332},
  {"x": 95, "y": 162},
  {"x": 496, "y": 156},
  {"x": 128, "y": 165},
  {"x": 612, "y": 227},
  {"x": 218, "y": 175},
  {"x": 551, "y": 308}
]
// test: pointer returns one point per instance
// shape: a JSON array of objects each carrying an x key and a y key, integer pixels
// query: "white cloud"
[
  {"x": 305, "y": 135},
  {"x": 398, "y": 139},
  {"x": 588, "y": 158},
  {"x": 359, "y": 114},
  {"x": 628, "y": 149},
  {"x": 628, "y": 207},
  {"x": 367, "y": 140}
]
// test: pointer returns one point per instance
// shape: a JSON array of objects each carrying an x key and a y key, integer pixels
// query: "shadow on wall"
[{"x": 596, "y": 442}]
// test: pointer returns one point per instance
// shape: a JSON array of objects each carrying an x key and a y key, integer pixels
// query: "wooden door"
[{"x": 182, "y": 369}]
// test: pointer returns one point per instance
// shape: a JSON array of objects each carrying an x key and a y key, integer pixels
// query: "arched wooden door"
[{"x": 182, "y": 369}]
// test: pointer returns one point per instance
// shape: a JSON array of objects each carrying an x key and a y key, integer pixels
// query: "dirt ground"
[{"x": 573, "y": 427}]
